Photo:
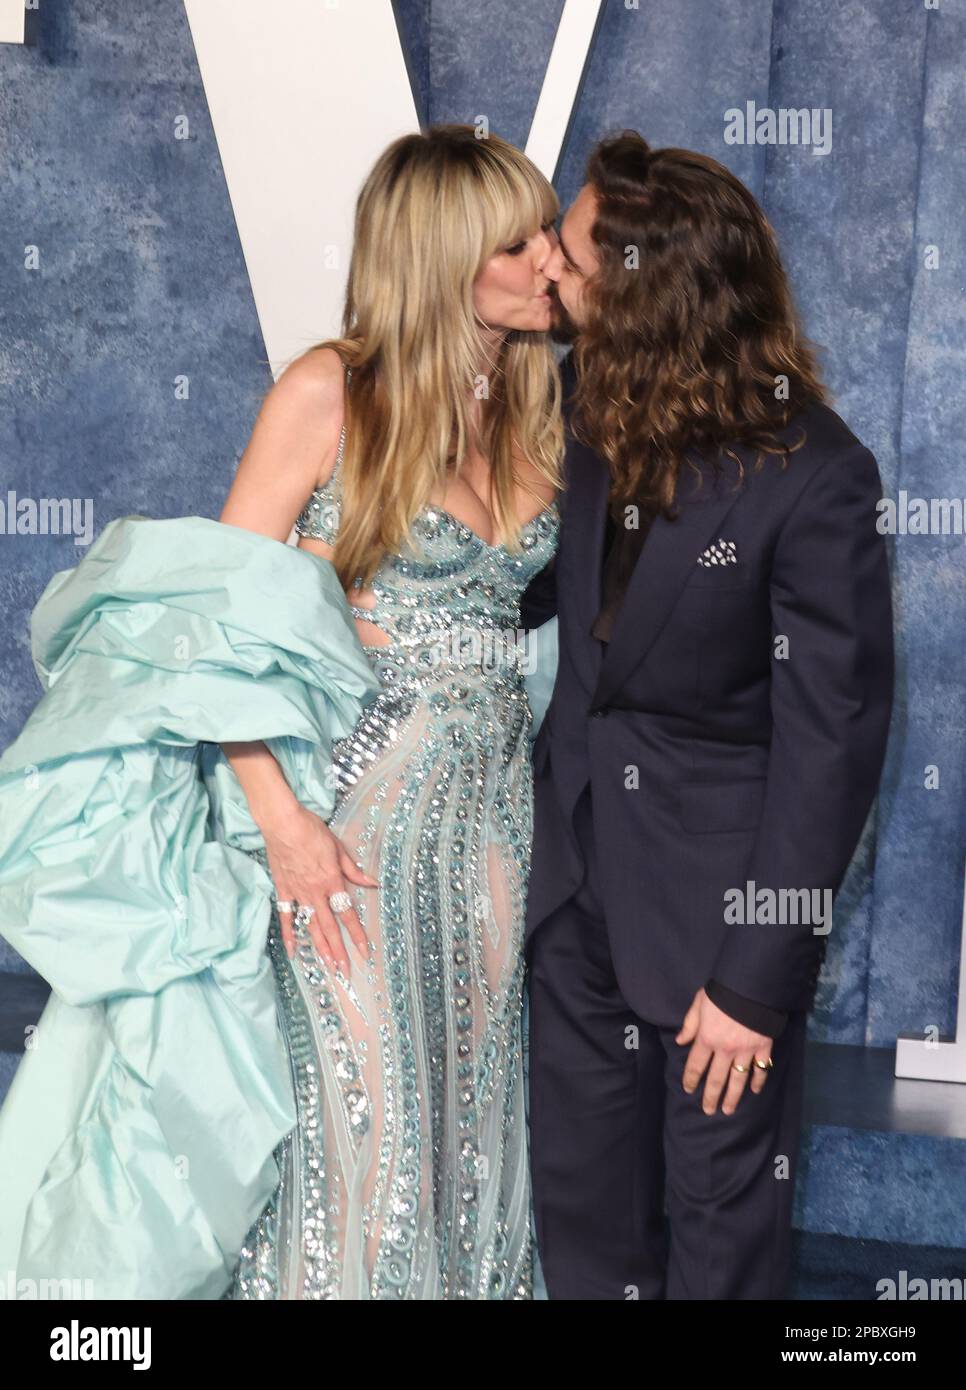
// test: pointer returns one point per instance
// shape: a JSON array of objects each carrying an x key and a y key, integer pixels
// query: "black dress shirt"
[{"x": 622, "y": 547}]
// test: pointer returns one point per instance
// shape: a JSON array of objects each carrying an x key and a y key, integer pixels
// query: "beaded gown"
[{"x": 406, "y": 1176}]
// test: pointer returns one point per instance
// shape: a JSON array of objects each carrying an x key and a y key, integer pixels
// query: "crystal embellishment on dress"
[{"x": 406, "y": 1176}]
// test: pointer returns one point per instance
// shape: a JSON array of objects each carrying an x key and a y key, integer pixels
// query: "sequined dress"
[{"x": 406, "y": 1176}]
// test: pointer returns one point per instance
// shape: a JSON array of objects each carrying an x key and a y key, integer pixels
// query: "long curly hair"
[{"x": 690, "y": 336}]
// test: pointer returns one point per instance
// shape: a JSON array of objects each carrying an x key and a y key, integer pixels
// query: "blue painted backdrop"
[
  {"x": 854, "y": 226},
  {"x": 141, "y": 280}
]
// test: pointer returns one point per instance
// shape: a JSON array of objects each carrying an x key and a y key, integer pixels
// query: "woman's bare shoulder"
[
  {"x": 309, "y": 397},
  {"x": 316, "y": 379}
]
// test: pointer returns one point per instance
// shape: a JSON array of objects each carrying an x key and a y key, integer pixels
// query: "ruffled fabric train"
[{"x": 137, "y": 1138}]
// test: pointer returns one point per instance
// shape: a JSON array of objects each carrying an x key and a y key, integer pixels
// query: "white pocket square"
[{"x": 719, "y": 553}]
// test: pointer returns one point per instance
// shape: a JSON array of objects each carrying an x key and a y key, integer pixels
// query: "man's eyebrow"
[{"x": 567, "y": 256}]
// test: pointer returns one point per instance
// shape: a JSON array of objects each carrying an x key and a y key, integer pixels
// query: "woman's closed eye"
[{"x": 519, "y": 247}]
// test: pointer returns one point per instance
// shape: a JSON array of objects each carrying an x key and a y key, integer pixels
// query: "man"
[{"x": 713, "y": 744}]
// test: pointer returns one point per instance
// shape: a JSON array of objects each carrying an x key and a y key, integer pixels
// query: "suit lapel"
[{"x": 666, "y": 563}]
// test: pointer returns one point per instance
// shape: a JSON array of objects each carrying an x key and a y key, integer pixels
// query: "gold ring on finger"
[
  {"x": 739, "y": 1066},
  {"x": 765, "y": 1065}
]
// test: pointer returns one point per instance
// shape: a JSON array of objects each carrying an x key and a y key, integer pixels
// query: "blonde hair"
[{"x": 436, "y": 206}]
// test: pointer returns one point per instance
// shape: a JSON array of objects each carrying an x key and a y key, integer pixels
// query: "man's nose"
[{"x": 553, "y": 265}]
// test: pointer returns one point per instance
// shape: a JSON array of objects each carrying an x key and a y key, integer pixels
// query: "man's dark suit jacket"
[
  {"x": 754, "y": 760},
  {"x": 622, "y": 547}
]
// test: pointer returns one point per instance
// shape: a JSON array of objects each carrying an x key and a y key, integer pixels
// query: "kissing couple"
[{"x": 287, "y": 867}]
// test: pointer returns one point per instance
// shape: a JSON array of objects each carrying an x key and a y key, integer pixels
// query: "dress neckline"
[
  {"x": 487, "y": 545},
  {"x": 434, "y": 506},
  {"x": 553, "y": 506}
]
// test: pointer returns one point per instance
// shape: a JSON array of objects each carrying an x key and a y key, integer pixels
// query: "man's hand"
[{"x": 718, "y": 1038}]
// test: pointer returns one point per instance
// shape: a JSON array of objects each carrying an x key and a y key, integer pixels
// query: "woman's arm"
[
  {"x": 292, "y": 448},
  {"x": 292, "y": 451}
]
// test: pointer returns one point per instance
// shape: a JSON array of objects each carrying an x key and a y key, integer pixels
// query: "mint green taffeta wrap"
[{"x": 136, "y": 1142}]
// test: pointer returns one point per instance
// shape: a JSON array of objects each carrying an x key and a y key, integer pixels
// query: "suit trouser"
[{"x": 614, "y": 1135}]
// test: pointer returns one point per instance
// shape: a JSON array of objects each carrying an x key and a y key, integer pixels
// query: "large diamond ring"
[
  {"x": 340, "y": 902},
  {"x": 284, "y": 906},
  {"x": 304, "y": 915}
]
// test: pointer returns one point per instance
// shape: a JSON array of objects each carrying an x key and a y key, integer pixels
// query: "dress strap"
[
  {"x": 322, "y": 515},
  {"x": 341, "y": 449}
]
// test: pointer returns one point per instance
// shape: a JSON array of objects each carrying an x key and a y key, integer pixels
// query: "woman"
[
  {"x": 382, "y": 795},
  {"x": 400, "y": 973}
]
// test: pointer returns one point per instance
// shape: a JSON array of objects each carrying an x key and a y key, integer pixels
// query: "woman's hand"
[{"x": 308, "y": 863}]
